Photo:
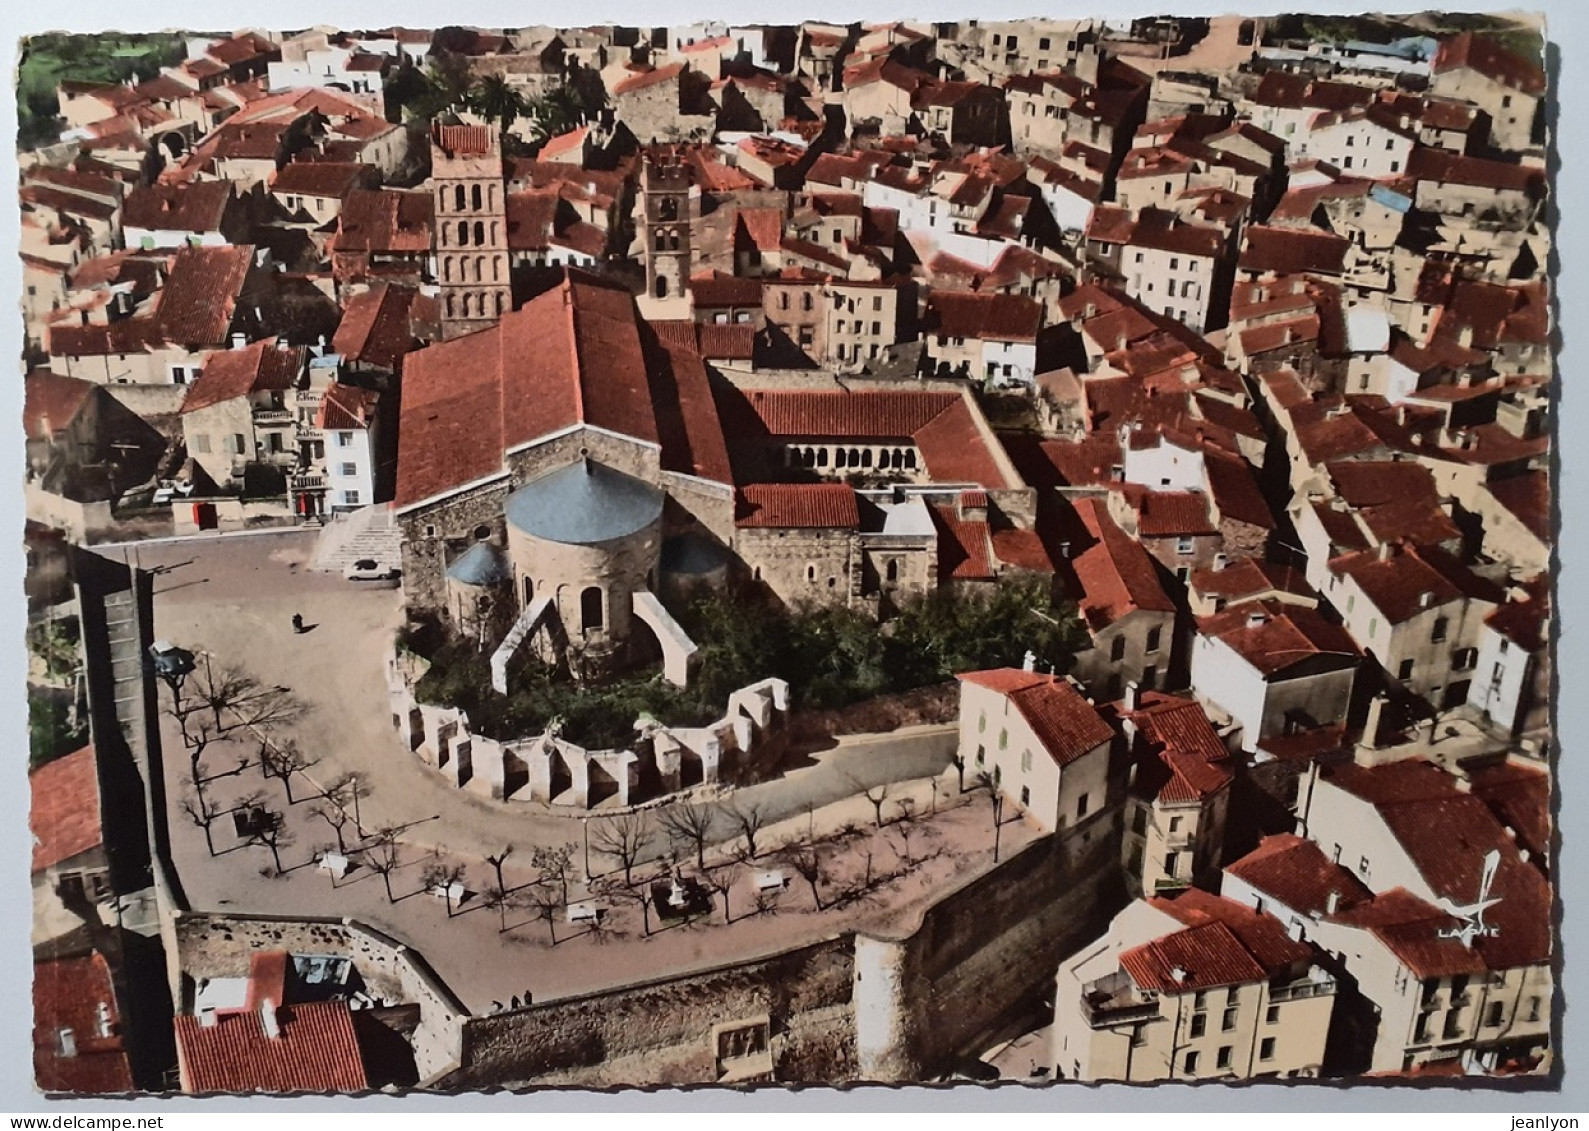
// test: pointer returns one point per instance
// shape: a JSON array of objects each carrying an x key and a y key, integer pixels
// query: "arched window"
[
  {"x": 590, "y": 609},
  {"x": 463, "y": 230},
  {"x": 480, "y": 232},
  {"x": 805, "y": 301},
  {"x": 464, "y": 304},
  {"x": 496, "y": 234},
  {"x": 822, "y": 457},
  {"x": 855, "y": 458},
  {"x": 893, "y": 569},
  {"x": 449, "y": 306},
  {"x": 491, "y": 198},
  {"x": 480, "y": 269},
  {"x": 668, "y": 208},
  {"x": 529, "y": 591},
  {"x": 910, "y": 458},
  {"x": 457, "y": 198},
  {"x": 499, "y": 304},
  {"x": 475, "y": 198},
  {"x": 755, "y": 573},
  {"x": 866, "y": 458},
  {"x": 446, "y": 270},
  {"x": 662, "y": 286},
  {"x": 839, "y": 459},
  {"x": 811, "y": 573}
]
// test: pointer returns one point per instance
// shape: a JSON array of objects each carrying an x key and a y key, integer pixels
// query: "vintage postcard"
[{"x": 809, "y": 554}]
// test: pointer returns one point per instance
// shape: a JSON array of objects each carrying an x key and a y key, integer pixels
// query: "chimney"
[
  {"x": 1133, "y": 695},
  {"x": 1462, "y": 785},
  {"x": 239, "y": 340},
  {"x": 268, "y": 1020},
  {"x": 1376, "y": 712},
  {"x": 102, "y": 1023},
  {"x": 207, "y": 1018},
  {"x": 1465, "y": 337},
  {"x": 1332, "y": 903},
  {"x": 1220, "y": 562},
  {"x": 1294, "y": 931},
  {"x": 1425, "y": 599},
  {"x": 1178, "y": 973},
  {"x": 1383, "y": 551},
  {"x": 1256, "y": 618}
]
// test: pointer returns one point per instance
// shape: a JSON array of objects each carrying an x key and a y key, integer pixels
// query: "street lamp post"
[{"x": 358, "y": 821}]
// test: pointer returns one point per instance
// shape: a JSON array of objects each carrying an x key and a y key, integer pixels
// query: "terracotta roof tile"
[
  {"x": 1399, "y": 582},
  {"x": 316, "y": 1051},
  {"x": 1486, "y": 56},
  {"x": 374, "y": 327},
  {"x": 1116, "y": 574},
  {"x": 51, "y": 402},
  {"x": 965, "y": 552},
  {"x": 1062, "y": 720},
  {"x": 1223, "y": 943},
  {"x": 65, "y": 813},
  {"x": 1248, "y": 579},
  {"x": 1275, "y": 637},
  {"x": 229, "y": 374},
  {"x": 798, "y": 505},
  {"x": 983, "y": 316},
  {"x": 1287, "y": 251},
  {"x": 78, "y": 994},
  {"x": 1295, "y": 872},
  {"x": 386, "y": 221}
]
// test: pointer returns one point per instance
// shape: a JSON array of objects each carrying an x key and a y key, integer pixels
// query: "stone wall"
[
  {"x": 661, "y": 1032},
  {"x": 220, "y": 946},
  {"x": 953, "y": 986},
  {"x": 797, "y": 565}
]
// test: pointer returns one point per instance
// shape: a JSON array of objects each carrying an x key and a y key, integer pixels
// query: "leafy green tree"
[{"x": 495, "y": 100}]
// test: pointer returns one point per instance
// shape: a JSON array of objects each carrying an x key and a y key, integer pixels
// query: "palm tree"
[
  {"x": 559, "y": 111},
  {"x": 496, "y": 101}
]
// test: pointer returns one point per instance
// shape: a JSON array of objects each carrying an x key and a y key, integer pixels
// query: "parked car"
[
  {"x": 369, "y": 571},
  {"x": 170, "y": 662},
  {"x": 171, "y": 492}
]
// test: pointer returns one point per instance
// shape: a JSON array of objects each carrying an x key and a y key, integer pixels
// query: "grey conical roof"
[
  {"x": 481, "y": 564},
  {"x": 583, "y": 504}
]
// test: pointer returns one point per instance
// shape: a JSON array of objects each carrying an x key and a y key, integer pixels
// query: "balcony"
[
  {"x": 308, "y": 481},
  {"x": 273, "y": 418},
  {"x": 1318, "y": 985},
  {"x": 1170, "y": 885},
  {"x": 1178, "y": 840},
  {"x": 1116, "y": 1000}
]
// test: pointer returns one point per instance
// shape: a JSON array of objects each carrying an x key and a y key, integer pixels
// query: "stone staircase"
[{"x": 370, "y": 532}]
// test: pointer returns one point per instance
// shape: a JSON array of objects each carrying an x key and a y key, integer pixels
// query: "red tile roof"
[
  {"x": 346, "y": 407},
  {"x": 257, "y": 368},
  {"x": 1446, "y": 833},
  {"x": 1287, "y": 251},
  {"x": 1248, "y": 578},
  {"x": 1430, "y": 164},
  {"x": 374, "y": 326},
  {"x": 572, "y": 355},
  {"x": 965, "y": 552},
  {"x": 78, "y": 994},
  {"x": 1116, "y": 574},
  {"x": 1294, "y": 872},
  {"x": 316, "y": 1051},
  {"x": 1527, "y": 498},
  {"x": 1275, "y": 637},
  {"x": 1223, "y": 943},
  {"x": 1062, "y": 720},
  {"x": 385, "y": 221},
  {"x": 941, "y": 425},
  {"x": 51, "y": 402},
  {"x": 1022, "y": 549},
  {"x": 65, "y": 815},
  {"x": 1169, "y": 514},
  {"x": 798, "y": 505},
  {"x": 1486, "y": 56},
  {"x": 200, "y": 297},
  {"x": 463, "y": 141},
  {"x": 1184, "y": 760},
  {"x": 323, "y": 178},
  {"x": 994, "y": 317},
  {"x": 648, "y": 78},
  {"x": 1397, "y": 583}
]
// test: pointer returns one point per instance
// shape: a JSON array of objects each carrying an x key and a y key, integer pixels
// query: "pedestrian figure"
[{"x": 297, "y": 623}]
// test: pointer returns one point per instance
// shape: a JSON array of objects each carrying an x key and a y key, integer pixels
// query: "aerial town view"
[{"x": 767, "y": 555}]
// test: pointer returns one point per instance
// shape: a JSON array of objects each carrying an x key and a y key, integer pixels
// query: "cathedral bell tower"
[
  {"x": 471, "y": 227},
  {"x": 665, "y": 226}
]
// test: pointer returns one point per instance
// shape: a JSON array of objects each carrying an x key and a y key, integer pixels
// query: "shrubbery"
[{"x": 831, "y": 657}]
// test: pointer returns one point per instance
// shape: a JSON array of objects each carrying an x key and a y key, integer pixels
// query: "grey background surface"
[{"x": 1568, "y": 34}]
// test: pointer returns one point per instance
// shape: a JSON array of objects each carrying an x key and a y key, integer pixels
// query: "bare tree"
[
  {"x": 547, "y": 904},
  {"x": 905, "y": 827},
  {"x": 877, "y": 795},
  {"x": 496, "y": 861},
  {"x": 627, "y": 893},
  {"x": 282, "y": 760},
  {"x": 625, "y": 838},
  {"x": 721, "y": 880},
  {"x": 959, "y": 760},
  {"x": 500, "y": 898},
  {"x": 382, "y": 856},
  {"x": 274, "y": 834},
  {"x": 689, "y": 825},
  {"x": 807, "y": 862},
  {"x": 335, "y": 816},
  {"x": 990, "y": 783},
  {"x": 443, "y": 875},
  {"x": 554, "y": 865},
  {"x": 201, "y": 811},
  {"x": 749, "y": 819}
]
